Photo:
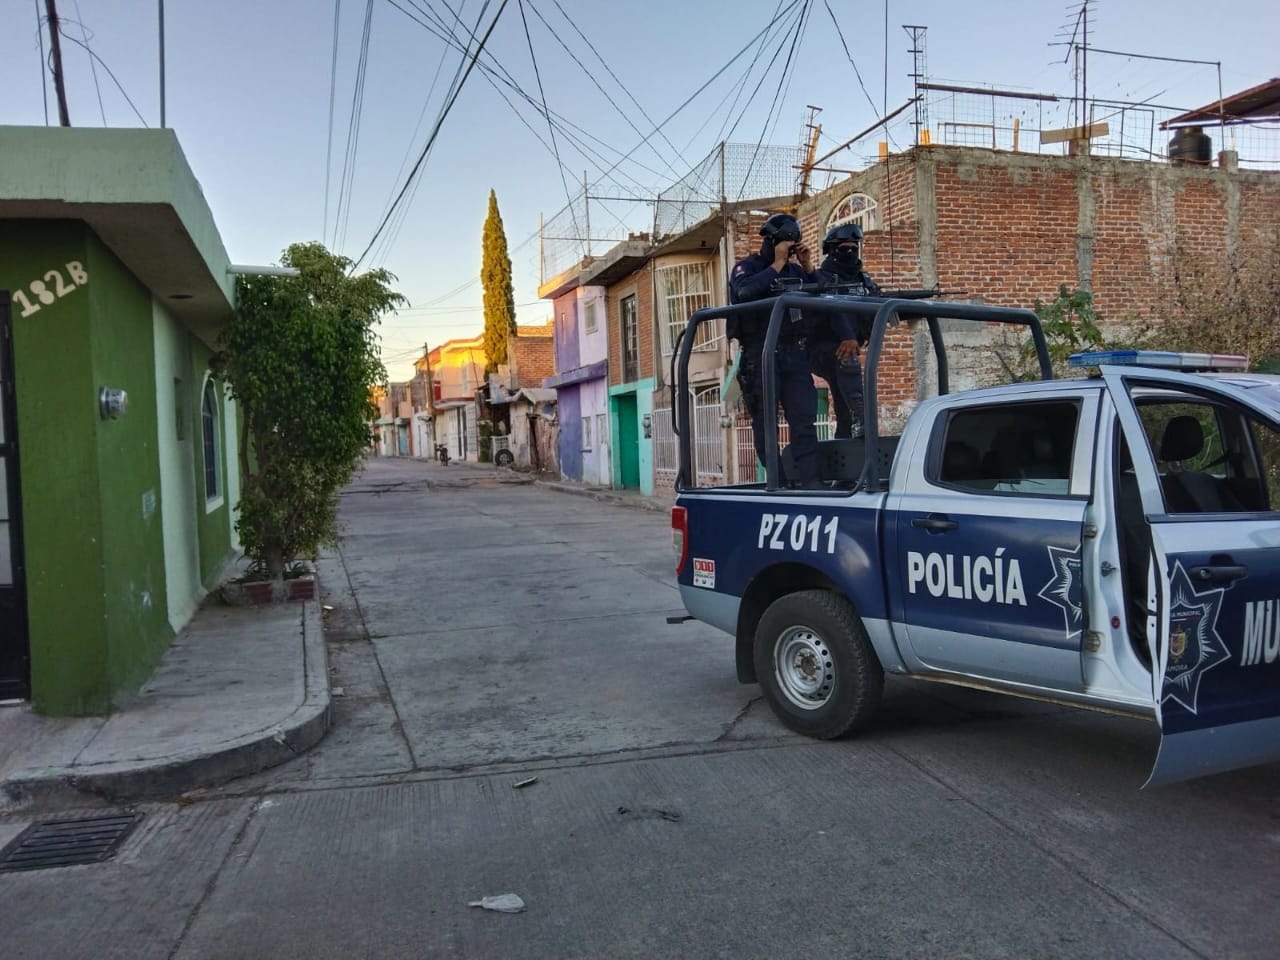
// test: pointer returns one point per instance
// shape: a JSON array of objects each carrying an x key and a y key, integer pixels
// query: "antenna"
[{"x": 918, "y": 74}]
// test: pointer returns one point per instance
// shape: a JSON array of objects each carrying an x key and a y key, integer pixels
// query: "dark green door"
[
  {"x": 15, "y": 669},
  {"x": 628, "y": 445}
]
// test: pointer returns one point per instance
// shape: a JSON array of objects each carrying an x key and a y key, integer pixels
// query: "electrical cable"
[
  {"x": 435, "y": 132},
  {"x": 333, "y": 88},
  {"x": 44, "y": 66},
  {"x": 110, "y": 73},
  {"x": 347, "y": 184},
  {"x": 852, "y": 63},
  {"x": 550, "y": 126},
  {"x": 93, "y": 67},
  {"x": 786, "y": 73},
  {"x": 590, "y": 76}
]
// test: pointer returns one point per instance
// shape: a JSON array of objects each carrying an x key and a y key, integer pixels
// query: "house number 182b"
[{"x": 52, "y": 288}]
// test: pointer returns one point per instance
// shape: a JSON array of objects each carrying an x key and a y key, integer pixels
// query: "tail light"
[{"x": 680, "y": 536}]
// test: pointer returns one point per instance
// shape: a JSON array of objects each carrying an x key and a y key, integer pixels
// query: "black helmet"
[
  {"x": 780, "y": 227},
  {"x": 844, "y": 233}
]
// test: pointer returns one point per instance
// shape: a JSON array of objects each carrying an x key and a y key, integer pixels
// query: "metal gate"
[{"x": 15, "y": 666}]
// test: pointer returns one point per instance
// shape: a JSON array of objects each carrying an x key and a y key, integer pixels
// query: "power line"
[
  {"x": 777, "y": 93},
  {"x": 44, "y": 65},
  {"x": 590, "y": 76},
  {"x": 333, "y": 90},
  {"x": 435, "y": 132},
  {"x": 347, "y": 186},
  {"x": 110, "y": 73},
  {"x": 401, "y": 213},
  {"x": 93, "y": 66},
  {"x": 551, "y": 127},
  {"x": 768, "y": 71},
  {"x": 852, "y": 63}
]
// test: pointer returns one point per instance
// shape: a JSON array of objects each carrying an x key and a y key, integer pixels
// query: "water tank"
[{"x": 1191, "y": 145}]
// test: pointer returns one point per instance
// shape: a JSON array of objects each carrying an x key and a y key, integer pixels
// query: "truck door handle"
[
  {"x": 935, "y": 523},
  {"x": 1220, "y": 574}
]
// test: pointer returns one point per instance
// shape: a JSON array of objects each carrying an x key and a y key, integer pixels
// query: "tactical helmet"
[
  {"x": 780, "y": 227},
  {"x": 844, "y": 233}
]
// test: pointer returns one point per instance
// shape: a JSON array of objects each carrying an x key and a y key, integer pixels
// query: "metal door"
[{"x": 15, "y": 668}]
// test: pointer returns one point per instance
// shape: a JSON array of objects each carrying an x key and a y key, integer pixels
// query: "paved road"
[{"x": 484, "y": 632}]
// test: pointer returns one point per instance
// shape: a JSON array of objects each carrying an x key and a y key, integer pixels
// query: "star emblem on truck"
[
  {"x": 1195, "y": 647},
  {"x": 1063, "y": 588}
]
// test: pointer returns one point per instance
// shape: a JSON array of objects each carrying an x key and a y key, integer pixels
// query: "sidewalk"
[{"x": 241, "y": 689}]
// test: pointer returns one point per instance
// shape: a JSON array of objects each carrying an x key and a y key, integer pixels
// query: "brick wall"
[
  {"x": 534, "y": 354},
  {"x": 1011, "y": 228},
  {"x": 639, "y": 283}
]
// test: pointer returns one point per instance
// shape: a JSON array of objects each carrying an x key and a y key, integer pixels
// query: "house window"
[
  {"x": 630, "y": 339},
  {"x": 590, "y": 323},
  {"x": 209, "y": 418},
  {"x": 855, "y": 208},
  {"x": 586, "y": 434},
  {"x": 683, "y": 289}
]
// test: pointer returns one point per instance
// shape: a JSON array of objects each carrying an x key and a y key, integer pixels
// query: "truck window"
[
  {"x": 1211, "y": 458},
  {"x": 1023, "y": 448}
]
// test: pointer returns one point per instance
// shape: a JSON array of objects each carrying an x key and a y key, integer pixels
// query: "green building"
[{"x": 118, "y": 468}]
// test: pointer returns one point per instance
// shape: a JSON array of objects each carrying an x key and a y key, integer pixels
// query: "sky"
[{"x": 248, "y": 92}]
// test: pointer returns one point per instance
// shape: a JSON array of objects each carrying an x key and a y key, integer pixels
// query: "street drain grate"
[{"x": 65, "y": 843}]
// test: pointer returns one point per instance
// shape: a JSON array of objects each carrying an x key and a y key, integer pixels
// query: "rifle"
[{"x": 793, "y": 285}]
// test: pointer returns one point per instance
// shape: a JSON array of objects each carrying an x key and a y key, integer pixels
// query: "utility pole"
[{"x": 56, "y": 45}]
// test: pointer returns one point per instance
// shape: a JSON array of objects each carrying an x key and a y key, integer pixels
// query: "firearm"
[{"x": 793, "y": 285}]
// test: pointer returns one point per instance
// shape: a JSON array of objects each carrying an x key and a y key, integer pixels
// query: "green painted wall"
[
  {"x": 58, "y": 448},
  {"x": 132, "y": 543}
]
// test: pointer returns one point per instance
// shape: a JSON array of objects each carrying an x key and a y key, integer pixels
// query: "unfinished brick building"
[{"x": 1010, "y": 228}]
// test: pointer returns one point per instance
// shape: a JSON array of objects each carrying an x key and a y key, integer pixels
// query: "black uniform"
[
  {"x": 843, "y": 375},
  {"x": 752, "y": 279}
]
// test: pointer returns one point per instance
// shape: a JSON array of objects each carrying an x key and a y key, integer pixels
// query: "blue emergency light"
[{"x": 1160, "y": 359}]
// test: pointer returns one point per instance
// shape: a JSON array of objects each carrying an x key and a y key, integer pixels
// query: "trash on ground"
[
  {"x": 502, "y": 903},
  {"x": 339, "y": 691},
  {"x": 521, "y": 784},
  {"x": 326, "y": 607}
]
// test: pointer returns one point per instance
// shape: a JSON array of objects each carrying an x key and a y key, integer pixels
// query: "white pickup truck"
[{"x": 1111, "y": 542}]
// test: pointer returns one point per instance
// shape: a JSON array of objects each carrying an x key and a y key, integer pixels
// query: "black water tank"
[{"x": 1191, "y": 145}]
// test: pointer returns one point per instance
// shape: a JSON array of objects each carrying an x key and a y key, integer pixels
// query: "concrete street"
[{"x": 487, "y": 630}]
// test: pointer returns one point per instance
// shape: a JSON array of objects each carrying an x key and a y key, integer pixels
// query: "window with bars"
[
  {"x": 855, "y": 208},
  {"x": 586, "y": 434},
  {"x": 589, "y": 321},
  {"x": 682, "y": 289},
  {"x": 630, "y": 327}
]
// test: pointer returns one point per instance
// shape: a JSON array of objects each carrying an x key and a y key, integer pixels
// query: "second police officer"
[
  {"x": 836, "y": 340},
  {"x": 781, "y": 255}
]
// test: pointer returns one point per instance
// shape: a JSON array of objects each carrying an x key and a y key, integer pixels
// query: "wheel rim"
[{"x": 804, "y": 668}]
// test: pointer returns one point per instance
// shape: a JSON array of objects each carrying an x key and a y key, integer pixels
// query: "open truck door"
[{"x": 1206, "y": 461}]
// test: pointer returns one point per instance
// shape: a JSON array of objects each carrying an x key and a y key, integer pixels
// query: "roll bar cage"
[{"x": 809, "y": 298}]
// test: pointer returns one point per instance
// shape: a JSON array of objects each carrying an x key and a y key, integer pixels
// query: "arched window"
[
  {"x": 855, "y": 208},
  {"x": 209, "y": 419}
]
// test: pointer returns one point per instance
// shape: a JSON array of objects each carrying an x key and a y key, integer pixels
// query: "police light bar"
[{"x": 1160, "y": 359}]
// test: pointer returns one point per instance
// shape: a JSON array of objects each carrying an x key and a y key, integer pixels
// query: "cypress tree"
[{"x": 499, "y": 297}]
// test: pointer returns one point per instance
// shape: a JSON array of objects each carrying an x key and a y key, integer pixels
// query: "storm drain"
[{"x": 65, "y": 843}]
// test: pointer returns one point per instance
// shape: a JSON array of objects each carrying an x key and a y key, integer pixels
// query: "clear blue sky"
[{"x": 248, "y": 86}]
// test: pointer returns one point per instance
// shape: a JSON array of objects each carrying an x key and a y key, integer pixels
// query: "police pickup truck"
[{"x": 1109, "y": 542}]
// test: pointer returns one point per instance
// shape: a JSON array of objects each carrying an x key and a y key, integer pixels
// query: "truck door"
[
  {"x": 1206, "y": 455},
  {"x": 988, "y": 540}
]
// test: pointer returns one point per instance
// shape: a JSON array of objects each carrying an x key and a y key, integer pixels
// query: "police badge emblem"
[{"x": 1195, "y": 647}]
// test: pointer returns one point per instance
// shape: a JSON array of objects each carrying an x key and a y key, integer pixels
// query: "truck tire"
[
  {"x": 816, "y": 666},
  {"x": 504, "y": 458}
]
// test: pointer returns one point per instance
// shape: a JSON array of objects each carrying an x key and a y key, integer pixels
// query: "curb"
[
  {"x": 640, "y": 501},
  {"x": 182, "y": 773}
]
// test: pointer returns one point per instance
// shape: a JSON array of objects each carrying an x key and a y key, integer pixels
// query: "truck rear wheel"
[{"x": 816, "y": 666}]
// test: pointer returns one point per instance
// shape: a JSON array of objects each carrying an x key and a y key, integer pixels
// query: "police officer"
[
  {"x": 781, "y": 255},
  {"x": 837, "y": 339}
]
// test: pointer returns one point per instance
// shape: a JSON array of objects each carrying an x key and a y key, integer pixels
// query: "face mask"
[{"x": 846, "y": 258}]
